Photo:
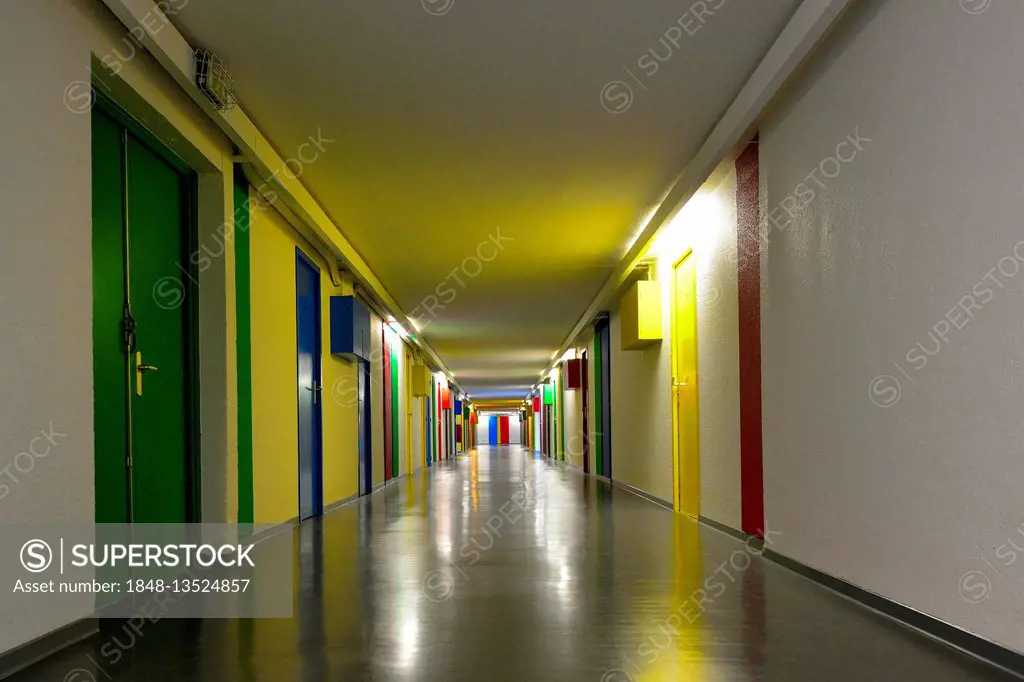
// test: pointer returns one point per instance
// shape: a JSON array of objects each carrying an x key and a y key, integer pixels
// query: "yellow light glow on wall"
[{"x": 691, "y": 228}]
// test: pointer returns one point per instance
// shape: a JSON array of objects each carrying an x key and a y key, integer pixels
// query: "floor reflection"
[{"x": 506, "y": 566}]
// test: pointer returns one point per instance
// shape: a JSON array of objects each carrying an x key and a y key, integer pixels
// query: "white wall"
[
  {"x": 572, "y": 407},
  {"x": 904, "y": 500},
  {"x": 46, "y": 340},
  {"x": 641, "y": 379},
  {"x": 515, "y": 430},
  {"x": 592, "y": 399},
  {"x": 713, "y": 227}
]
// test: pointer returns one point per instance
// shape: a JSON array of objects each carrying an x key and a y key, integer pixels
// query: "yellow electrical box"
[
  {"x": 419, "y": 375},
  {"x": 640, "y": 313}
]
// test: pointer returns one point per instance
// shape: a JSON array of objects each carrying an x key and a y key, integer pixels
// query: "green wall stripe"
[
  {"x": 243, "y": 346},
  {"x": 598, "y": 411}
]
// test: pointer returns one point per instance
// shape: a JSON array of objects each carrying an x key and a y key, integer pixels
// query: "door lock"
[{"x": 139, "y": 370}]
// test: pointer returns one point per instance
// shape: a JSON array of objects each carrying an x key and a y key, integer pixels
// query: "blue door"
[
  {"x": 365, "y": 435},
  {"x": 428, "y": 404},
  {"x": 307, "y": 322},
  {"x": 492, "y": 430}
]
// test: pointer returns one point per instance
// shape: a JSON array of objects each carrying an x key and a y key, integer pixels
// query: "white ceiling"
[{"x": 452, "y": 125}]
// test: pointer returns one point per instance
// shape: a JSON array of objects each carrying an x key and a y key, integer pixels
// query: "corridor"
[
  {"x": 501, "y": 565},
  {"x": 600, "y": 340}
]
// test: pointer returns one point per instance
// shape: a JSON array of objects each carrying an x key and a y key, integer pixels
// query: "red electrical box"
[
  {"x": 536, "y": 404},
  {"x": 574, "y": 370},
  {"x": 446, "y": 399}
]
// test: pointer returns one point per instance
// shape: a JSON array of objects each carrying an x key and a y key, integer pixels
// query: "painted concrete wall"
[
  {"x": 894, "y": 467},
  {"x": 641, "y": 415},
  {"x": 418, "y": 442},
  {"x": 46, "y": 206},
  {"x": 46, "y": 186},
  {"x": 592, "y": 398},
  {"x": 340, "y": 418},
  {"x": 274, "y": 415},
  {"x": 572, "y": 403},
  {"x": 515, "y": 430},
  {"x": 641, "y": 379},
  {"x": 708, "y": 226},
  {"x": 275, "y": 420}
]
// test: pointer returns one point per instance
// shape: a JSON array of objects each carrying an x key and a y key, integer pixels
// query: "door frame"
[
  {"x": 106, "y": 105},
  {"x": 364, "y": 422},
  {"x": 318, "y": 413},
  {"x": 677, "y": 462}
]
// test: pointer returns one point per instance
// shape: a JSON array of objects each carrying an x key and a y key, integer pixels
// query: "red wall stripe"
[{"x": 748, "y": 252}]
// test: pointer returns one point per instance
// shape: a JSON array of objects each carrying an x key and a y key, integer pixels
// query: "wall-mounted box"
[
  {"x": 573, "y": 370},
  {"x": 446, "y": 398},
  {"x": 549, "y": 394},
  {"x": 536, "y": 404},
  {"x": 350, "y": 328},
  {"x": 640, "y": 315},
  {"x": 419, "y": 377}
]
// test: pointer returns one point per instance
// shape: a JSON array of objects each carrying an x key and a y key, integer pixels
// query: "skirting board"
[
  {"x": 340, "y": 503},
  {"x": 945, "y": 633},
  {"x": 21, "y": 657},
  {"x": 940, "y": 631},
  {"x": 638, "y": 492},
  {"x": 42, "y": 647},
  {"x": 751, "y": 541}
]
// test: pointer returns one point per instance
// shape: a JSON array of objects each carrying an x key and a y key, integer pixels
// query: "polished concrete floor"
[{"x": 502, "y": 566}]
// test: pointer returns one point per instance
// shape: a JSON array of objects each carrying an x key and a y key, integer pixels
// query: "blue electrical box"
[{"x": 350, "y": 328}]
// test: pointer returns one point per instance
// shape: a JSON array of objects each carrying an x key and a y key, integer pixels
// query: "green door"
[{"x": 143, "y": 302}]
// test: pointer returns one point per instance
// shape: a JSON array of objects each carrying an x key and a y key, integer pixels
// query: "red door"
[{"x": 503, "y": 430}]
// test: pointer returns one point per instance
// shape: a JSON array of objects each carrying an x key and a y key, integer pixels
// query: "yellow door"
[{"x": 684, "y": 387}]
